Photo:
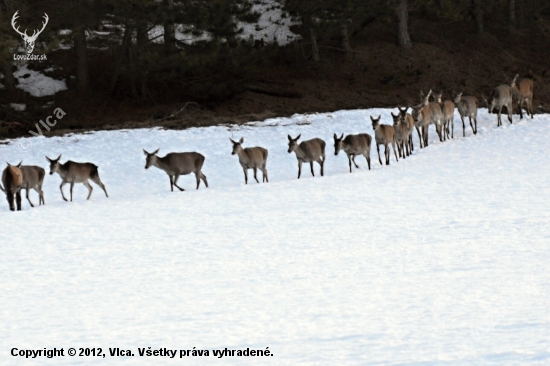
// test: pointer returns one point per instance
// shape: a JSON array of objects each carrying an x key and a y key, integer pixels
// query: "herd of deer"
[{"x": 399, "y": 136}]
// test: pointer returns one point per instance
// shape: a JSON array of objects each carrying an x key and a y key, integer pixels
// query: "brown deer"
[
  {"x": 401, "y": 135},
  {"x": 448, "y": 109},
  {"x": 308, "y": 152},
  {"x": 33, "y": 178},
  {"x": 384, "y": 135},
  {"x": 409, "y": 121},
  {"x": 436, "y": 116},
  {"x": 72, "y": 172},
  {"x": 12, "y": 180},
  {"x": 176, "y": 164},
  {"x": 422, "y": 118},
  {"x": 502, "y": 96},
  {"x": 353, "y": 145},
  {"x": 467, "y": 107},
  {"x": 524, "y": 93},
  {"x": 251, "y": 158}
]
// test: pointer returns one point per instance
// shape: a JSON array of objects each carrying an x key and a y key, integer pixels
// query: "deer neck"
[{"x": 161, "y": 163}]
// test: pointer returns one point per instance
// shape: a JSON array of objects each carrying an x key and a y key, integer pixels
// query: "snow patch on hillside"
[{"x": 38, "y": 84}]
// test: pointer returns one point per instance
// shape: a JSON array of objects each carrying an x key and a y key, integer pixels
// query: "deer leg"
[
  {"x": 322, "y": 164},
  {"x": 463, "y": 126},
  {"x": 61, "y": 189},
  {"x": 176, "y": 177},
  {"x": 520, "y": 104},
  {"x": 18, "y": 200},
  {"x": 349, "y": 163},
  {"x": 311, "y": 167},
  {"x": 41, "y": 196},
  {"x": 9, "y": 198},
  {"x": 245, "y": 171},
  {"x": 299, "y": 168},
  {"x": 71, "y": 191},
  {"x": 354, "y": 163},
  {"x": 367, "y": 157},
  {"x": 204, "y": 180},
  {"x": 198, "y": 179},
  {"x": 394, "y": 152},
  {"x": 28, "y": 198},
  {"x": 530, "y": 105},
  {"x": 425, "y": 130},
  {"x": 509, "y": 107},
  {"x": 255, "y": 171},
  {"x": 378, "y": 149},
  {"x": 90, "y": 189},
  {"x": 97, "y": 181},
  {"x": 264, "y": 172}
]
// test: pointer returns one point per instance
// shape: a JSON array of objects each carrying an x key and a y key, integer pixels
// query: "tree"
[{"x": 402, "y": 12}]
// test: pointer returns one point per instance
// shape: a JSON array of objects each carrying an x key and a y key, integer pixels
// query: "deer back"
[
  {"x": 312, "y": 149},
  {"x": 384, "y": 134},
  {"x": 357, "y": 144},
  {"x": 33, "y": 176},
  {"x": 448, "y": 108},
  {"x": 253, "y": 156},
  {"x": 525, "y": 88},
  {"x": 181, "y": 163},
  {"x": 12, "y": 179},
  {"x": 502, "y": 95},
  {"x": 77, "y": 172}
]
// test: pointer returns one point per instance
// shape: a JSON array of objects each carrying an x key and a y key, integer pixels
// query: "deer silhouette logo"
[{"x": 29, "y": 40}]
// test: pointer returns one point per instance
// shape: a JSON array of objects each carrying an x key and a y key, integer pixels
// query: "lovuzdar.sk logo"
[{"x": 29, "y": 40}]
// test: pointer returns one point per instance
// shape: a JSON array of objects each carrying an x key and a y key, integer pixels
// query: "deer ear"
[
  {"x": 145, "y": 152},
  {"x": 335, "y": 137},
  {"x": 19, "y": 165},
  {"x": 59, "y": 157},
  {"x": 341, "y": 137},
  {"x": 289, "y": 138},
  {"x": 241, "y": 140},
  {"x": 50, "y": 160},
  {"x": 393, "y": 115},
  {"x": 298, "y": 137},
  {"x": 155, "y": 153}
]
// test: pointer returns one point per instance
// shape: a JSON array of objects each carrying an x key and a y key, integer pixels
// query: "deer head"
[{"x": 29, "y": 40}]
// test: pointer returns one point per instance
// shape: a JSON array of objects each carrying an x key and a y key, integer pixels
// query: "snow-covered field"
[{"x": 441, "y": 258}]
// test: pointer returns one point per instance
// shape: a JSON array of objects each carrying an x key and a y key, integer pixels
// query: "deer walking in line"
[
  {"x": 422, "y": 120},
  {"x": 467, "y": 107},
  {"x": 72, "y": 172},
  {"x": 384, "y": 135},
  {"x": 353, "y": 145},
  {"x": 524, "y": 93},
  {"x": 436, "y": 116},
  {"x": 308, "y": 152},
  {"x": 448, "y": 109},
  {"x": 401, "y": 135},
  {"x": 409, "y": 122},
  {"x": 502, "y": 96},
  {"x": 12, "y": 180},
  {"x": 33, "y": 178},
  {"x": 251, "y": 158},
  {"x": 176, "y": 164}
]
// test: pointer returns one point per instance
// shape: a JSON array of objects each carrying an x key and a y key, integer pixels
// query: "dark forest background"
[{"x": 352, "y": 54}]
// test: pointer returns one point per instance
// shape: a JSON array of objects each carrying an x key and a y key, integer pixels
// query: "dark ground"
[{"x": 445, "y": 56}]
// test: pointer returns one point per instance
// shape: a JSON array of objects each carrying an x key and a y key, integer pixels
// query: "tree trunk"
[
  {"x": 511, "y": 16},
  {"x": 169, "y": 30},
  {"x": 81, "y": 60},
  {"x": 345, "y": 39},
  {"x": 9, "y": 80},
  {"x": 314, "y": 48},
  {"x": 402, "y": 12},
  {"x": 126, "y": 39},
  {"x": 479, "y": 16}
]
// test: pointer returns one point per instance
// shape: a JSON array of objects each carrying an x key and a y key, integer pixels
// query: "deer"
[
  {"x": 436, "y": 116},
  {"x": 353, "y": 145},
  {"x": 29, "y": 40},
  {"x": 402, "y": 135},
  {"x": 384, "y": 135},
  {"x": 33, "y": 178},
  {"x": 251, "y": 158},
  {"x": 176, "y": 164},
  {"x": 523, "y": 92},
  {"x": 308, "y": 152},
  {"x": 72, "y": 172},
  {"x": 502, "y": 96},
  {"x": 448, "y": 109},
  {"x": 421, "y": 115},
  {"x": 409, "y": 122},
  {"x": 12, "y": 180},
  {"x": 467, "y": 107}
]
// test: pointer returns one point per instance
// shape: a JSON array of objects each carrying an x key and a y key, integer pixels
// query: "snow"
[
  {"x": 36, "y": 83},
  {"x": 271, "y": 26},
  {"x": 18, "y": 106},
  {"x": 441, "y": 258}
]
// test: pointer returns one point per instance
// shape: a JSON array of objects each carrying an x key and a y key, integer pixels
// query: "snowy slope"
[{"x": 438, "y": 259}]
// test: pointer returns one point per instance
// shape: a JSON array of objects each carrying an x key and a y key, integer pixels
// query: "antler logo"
[{"x": 29, "y": 40}]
